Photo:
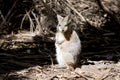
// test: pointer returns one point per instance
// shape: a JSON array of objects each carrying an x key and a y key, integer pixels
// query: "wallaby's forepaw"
[
  {"x": 71, "y": 68},
  {"x": 59, "y": 42}
]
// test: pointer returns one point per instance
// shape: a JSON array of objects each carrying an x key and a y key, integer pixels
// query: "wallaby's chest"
[
  {"x": 63, "y": 36},
  {"x": 60, "y": 36}
]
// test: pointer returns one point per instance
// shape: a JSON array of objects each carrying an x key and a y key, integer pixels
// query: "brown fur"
[{"x": 67, "y": 34}]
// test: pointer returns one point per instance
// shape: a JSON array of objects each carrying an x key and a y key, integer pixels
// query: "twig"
[
  {"x": 8, "y": 14},
  {"x": 31, "y": 22},
  {"x": 3, "y": 18},
  {"x": 71, "y": 7},
  {"x": 22, "y": 21},
  {"x": 38, "y": 26}
]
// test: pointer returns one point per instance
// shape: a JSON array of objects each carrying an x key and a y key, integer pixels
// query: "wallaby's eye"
[{"x": 59, "y": 25}]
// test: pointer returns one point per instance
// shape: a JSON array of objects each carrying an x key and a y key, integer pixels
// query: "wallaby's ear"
[
  {"x": 60, "y": 18},
  {"x": 67, "y": 19}
]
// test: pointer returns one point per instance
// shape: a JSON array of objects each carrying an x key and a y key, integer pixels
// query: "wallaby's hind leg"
[{"x": 70, "y": 67}]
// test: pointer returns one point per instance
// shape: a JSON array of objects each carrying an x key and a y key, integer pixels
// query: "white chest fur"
[{"x": 59, "y": 38}]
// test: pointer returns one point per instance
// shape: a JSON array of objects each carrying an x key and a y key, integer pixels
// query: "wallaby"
[{"x": 67, "y": 43}]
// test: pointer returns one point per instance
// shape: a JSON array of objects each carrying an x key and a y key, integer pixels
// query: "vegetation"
[{"x": 27, "y": 29}]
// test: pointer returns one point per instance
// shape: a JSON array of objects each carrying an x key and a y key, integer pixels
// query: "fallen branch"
[{"x": 20, "y": 63}]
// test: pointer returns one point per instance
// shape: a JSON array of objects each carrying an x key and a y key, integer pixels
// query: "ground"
[
  {"x": 98, "y": 70},
  {"x": 30, "y": 57},
  {"x": 33, "y": 60}
]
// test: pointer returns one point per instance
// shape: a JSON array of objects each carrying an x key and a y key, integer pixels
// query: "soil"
[
  {"x": 33, "y": 60},
  {"x": 30, "y": 57},
  {"x": 98, "y": 70}
]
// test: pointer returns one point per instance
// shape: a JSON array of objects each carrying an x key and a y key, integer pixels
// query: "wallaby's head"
[
  {"x": 64, "y": 26},
  {"x": 62, "y": 23}
]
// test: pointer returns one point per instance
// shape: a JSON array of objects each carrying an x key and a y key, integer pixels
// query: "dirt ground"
[
  {"x": 33, "y": 61},
  {"x": 95, "y": 70},
  {"x": 29, "y": 57}
]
